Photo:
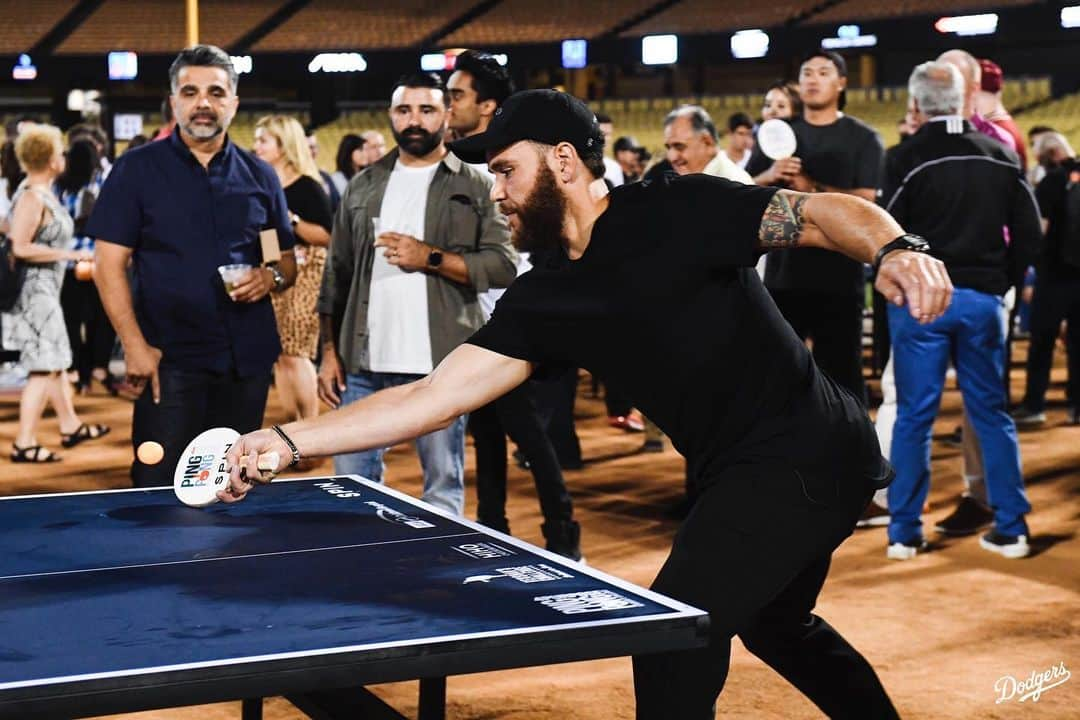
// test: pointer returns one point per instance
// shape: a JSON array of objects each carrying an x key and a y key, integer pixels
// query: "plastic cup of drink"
[{"x": 232, "y": 275}]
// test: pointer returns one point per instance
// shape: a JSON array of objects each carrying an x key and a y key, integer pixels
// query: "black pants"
[
  {"x": 555, "y": 406},
  {"x": 190, "y": 403},
  {"x": 91, "y": 335},
  {"x": 834, "y": 324},
  {"x": 754, "y": 552},
  {"x": 1054, "y": 301},
  {"x": 514, "y": 414}
]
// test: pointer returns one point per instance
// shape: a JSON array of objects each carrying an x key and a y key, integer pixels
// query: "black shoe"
[
  {"x": 955, "y": 438},
  {"x": 969, "y": 517},
  {"x": 1012, "y": 547},
  {"x": 873, "y": 516},
  {"x": 519, "y": 458},
  {"x": 563, "y": 538},
  {"x": 1026, "y": 419}
]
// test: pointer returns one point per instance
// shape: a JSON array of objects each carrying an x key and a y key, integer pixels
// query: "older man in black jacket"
[{"x": 958, "y": 188}]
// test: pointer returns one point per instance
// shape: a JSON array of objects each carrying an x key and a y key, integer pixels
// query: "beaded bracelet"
[{"x": 290, "y": 443}]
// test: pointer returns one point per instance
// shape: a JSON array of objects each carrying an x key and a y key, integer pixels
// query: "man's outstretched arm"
[
  {"x": 858, "y": 229},
  {"x": 466, "y": 379}
]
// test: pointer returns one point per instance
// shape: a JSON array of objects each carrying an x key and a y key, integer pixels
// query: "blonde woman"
[
  {"x": 280, "y": 141},
  {"x": 41, "y": 232}
]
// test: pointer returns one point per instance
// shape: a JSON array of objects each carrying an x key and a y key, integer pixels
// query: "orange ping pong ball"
[
  {"x": 150, "y": 453},
  {"x": 84, "y": 269}
]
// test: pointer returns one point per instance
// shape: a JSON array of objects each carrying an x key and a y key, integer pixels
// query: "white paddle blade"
[
  {"x": 200, "y": 472},
  {"x": 776, "y": 139}
]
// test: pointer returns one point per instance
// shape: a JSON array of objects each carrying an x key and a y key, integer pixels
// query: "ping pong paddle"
[
  {"x": 776, "y": 139},
  {"x": 201, "y": 472}
]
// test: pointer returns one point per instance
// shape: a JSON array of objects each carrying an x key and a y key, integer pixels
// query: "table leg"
[
  {"x": 251, "y": 709},
  {"x": 432, "y": 698}
]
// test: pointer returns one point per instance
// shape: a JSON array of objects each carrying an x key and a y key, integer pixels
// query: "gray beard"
[{"x": 203, "y": 132}]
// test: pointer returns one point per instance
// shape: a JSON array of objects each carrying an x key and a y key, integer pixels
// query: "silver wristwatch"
[{"x": 279, "y": 278}]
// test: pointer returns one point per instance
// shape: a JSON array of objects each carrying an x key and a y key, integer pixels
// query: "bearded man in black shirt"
[{"x": 668, "y": 265}]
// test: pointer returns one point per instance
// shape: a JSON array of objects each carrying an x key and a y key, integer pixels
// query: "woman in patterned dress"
[
  {"x": 280, "y": 140},
  {"x": 41, "y": 232}
]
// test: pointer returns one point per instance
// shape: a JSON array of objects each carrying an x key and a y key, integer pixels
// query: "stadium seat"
[{"x": 527, "y": 21}]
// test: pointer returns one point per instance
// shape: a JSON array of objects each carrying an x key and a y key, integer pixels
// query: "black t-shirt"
[
  {"x": 306, "y": 197},
  {"x": 668, "y": 272},
  {"x": 658, "y": 170},
  {"x": 847, "y": 155},
  {"x": 1051, "y": 194}
]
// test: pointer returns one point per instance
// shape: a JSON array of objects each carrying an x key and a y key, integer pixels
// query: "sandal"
[
  {"x": 85, "y": 432},
  {"x": 33, "y": 454}
]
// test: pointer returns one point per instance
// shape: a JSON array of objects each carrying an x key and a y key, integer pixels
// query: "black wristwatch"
[
  {"x": 907, "y": 241},
  {"x": 434, "y": 259},
  {"x": 279, "y": 278}
]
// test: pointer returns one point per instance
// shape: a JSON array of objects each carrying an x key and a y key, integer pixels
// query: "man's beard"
[
  {"x": 417, "y": 142},
  {"x": 203, "y": 132},
  {"x": 541, "y": 216}
]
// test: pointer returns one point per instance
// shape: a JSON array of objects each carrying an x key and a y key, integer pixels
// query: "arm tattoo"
[{"x": 782, "y": 223}]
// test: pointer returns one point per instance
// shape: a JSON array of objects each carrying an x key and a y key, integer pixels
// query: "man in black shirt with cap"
[{"x": 669, "y": 265}]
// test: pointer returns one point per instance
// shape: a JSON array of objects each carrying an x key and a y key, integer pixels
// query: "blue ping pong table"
[{"x": 127, "y": 600}]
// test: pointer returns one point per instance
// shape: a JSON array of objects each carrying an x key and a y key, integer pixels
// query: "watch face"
[{"x": 435, "y": 258}]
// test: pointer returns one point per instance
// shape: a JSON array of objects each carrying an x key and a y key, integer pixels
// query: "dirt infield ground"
[{"x": 941, "y": 630}]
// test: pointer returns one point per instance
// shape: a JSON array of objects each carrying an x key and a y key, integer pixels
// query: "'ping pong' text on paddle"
[{"x": 198, "y": 469}]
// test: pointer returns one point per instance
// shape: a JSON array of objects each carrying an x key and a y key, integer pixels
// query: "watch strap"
[{"x": 907, "y": 241}]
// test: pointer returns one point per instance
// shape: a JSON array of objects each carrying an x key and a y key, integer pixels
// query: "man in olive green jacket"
[{"x": 415, "y": 239}]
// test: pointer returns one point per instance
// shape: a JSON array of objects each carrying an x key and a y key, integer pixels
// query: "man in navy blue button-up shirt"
[{"x": 178, "y": 209}]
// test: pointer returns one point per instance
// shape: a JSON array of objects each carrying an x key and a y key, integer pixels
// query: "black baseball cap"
[{"x": 545, "y": 116}]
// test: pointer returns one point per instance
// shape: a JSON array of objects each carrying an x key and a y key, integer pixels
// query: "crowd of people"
[
  {"x": 377, "y": 290},
  {"x": 935, "y": 188},
  {"x": 367, "y": 277}
]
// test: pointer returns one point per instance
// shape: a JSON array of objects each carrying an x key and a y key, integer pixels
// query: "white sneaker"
[
  {"x": 1012, "y": 547},
  {"x": 903, "y": 551}
]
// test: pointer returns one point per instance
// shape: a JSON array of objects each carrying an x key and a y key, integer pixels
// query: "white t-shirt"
[
  {"x": 399, "y": 339},
  {"x": 613, "y": 172},
  {"x": 488, "y": 298},
  {"x": 742, "y": 162}
]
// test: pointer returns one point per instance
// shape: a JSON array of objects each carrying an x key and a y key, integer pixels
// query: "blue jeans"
[
  {"x": 970, "y": 332},
  {"x": 442, "y": 453}
]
